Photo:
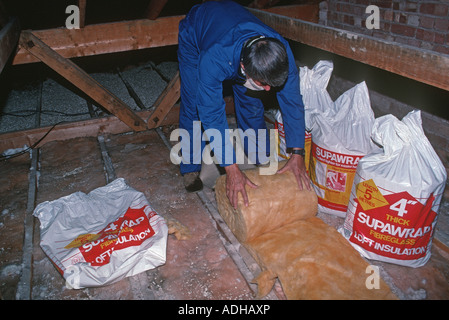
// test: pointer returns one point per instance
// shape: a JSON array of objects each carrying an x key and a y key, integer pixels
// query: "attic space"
[{"x": 93, "y": 109}]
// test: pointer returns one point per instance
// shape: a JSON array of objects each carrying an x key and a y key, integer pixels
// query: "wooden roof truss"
[{"x": 55, "y": 47}]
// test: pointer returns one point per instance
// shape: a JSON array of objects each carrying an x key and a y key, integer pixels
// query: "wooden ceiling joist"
[
  {"x": 85, "y": 128},
  {"x": 422, "y": 65}
]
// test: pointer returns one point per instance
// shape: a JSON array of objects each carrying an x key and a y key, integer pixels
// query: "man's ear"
[{"x": 242, "y": 69}]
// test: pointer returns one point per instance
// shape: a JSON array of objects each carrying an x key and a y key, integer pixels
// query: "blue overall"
[{"x": 211, "y": 38}]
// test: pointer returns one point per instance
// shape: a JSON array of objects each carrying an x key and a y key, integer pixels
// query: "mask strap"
[
  {"x": 252, "y": 41},
  {"x": 247, "y": 45}
]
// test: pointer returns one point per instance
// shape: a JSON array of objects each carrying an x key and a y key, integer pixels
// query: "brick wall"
[{"x": 419, "y": 23}]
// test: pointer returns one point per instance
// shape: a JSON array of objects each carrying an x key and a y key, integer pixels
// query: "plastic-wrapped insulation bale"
[
  {"x": 340, "y": 138},
  {"x": 101, "y": 237},
  {"x": 396, "y": 194}
]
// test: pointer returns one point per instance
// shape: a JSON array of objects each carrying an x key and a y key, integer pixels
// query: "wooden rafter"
[
  {"x": 81, "y": 80},
  {"x": 422, "y": 65}
]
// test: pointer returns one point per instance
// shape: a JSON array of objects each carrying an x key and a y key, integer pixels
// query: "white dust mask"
[{"x": 250, "y": 84}]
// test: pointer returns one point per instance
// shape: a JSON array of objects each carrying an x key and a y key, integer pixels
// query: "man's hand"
[
  {"x": 297, "y": 166},
  {"x": 236, "y": 181}
]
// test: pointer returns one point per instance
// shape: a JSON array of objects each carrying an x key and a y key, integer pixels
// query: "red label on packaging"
[
  {"x": 400, "y": 231},
  {"x": 280, "y": 127},
  {"x": 336, "y": 159},
  {"x": 127, "y": 231}
]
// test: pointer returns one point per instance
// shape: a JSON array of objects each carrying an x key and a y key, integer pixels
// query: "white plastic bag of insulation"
[
  {"x": 281, "y": 152},
  {"x": 101, "y": 237},
  {"x": 340, "y": 138},
  {"x": 396, "y": 195},
  {"x": 313, "y": 84}
]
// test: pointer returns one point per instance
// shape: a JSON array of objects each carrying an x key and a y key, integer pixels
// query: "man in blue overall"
[{"x": 218, "y": 41}]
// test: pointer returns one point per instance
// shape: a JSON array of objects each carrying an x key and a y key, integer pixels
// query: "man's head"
[{"x": 265, "y": 61}]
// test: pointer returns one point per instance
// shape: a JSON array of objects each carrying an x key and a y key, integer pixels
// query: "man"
[{"x": 221, "y": 40}]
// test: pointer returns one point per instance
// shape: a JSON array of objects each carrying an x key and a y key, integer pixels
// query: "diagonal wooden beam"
[
  {"x": 165, "y": 102},
  {"x": 81, "y": 80}
]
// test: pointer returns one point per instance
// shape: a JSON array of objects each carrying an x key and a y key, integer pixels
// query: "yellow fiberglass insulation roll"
[{"x": 280, "y": 229}]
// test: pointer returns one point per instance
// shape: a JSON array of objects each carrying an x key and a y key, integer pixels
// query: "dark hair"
[{"x": 265, "y": 60}]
